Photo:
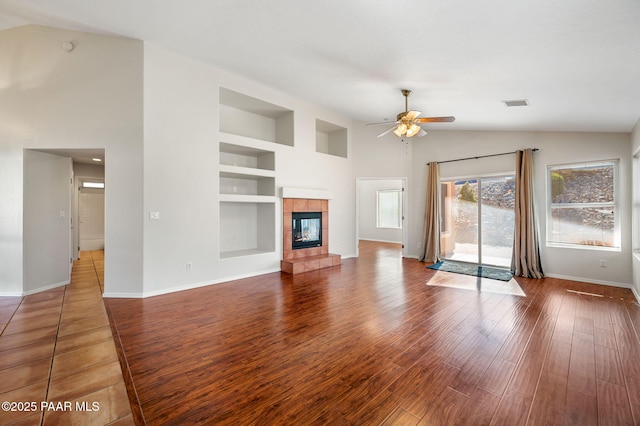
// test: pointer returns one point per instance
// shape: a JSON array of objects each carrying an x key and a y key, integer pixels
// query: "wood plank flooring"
[
  {"x": 56, "y": 346},
  {"x": 381, "y": 340}
]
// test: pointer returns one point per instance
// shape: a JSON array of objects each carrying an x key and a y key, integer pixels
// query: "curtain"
[
  {"x": 431, "y": 235},
  {"x": 525, "y": 260}
]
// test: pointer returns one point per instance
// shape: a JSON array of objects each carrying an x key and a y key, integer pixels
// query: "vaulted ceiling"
[{"x": 577, "y": 62}]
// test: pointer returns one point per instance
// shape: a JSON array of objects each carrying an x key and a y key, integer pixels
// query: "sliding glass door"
[{"x": 477, "y": 220}]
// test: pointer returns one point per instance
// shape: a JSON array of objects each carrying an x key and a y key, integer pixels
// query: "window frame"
[
  {"x": 379, "y": 192},
  {"x": 635, "y": 208},
  {"x": 614, "y": 205}
]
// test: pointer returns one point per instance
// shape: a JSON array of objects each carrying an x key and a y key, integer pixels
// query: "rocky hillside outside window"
[{"x": 582, "y": 210}]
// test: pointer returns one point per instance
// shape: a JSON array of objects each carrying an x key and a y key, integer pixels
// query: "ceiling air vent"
[{"x": 517, "y": 103}]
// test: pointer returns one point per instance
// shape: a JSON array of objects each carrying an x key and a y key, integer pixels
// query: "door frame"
[
  {"x": 78, "y": 180},
  {"x": 479, "y": 179},
  {"x": 405, "y": 210}
]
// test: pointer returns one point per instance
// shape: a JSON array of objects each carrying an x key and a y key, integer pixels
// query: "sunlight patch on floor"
[{"x": 477, "y": 284}]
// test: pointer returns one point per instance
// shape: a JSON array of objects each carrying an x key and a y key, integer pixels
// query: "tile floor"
[{"x": 56, "y": 347}]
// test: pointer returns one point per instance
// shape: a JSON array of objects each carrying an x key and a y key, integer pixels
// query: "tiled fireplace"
[{"x": 309, "y": 258}]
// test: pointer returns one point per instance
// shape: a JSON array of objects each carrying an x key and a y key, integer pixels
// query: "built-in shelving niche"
[
  {"x": 331, "y": 139},
  {"x": 246, "y": 228},
  {"x": 247, "y": 116},
  {"x": 249, "y": 128},
  {"x": 246, "y": 171}
]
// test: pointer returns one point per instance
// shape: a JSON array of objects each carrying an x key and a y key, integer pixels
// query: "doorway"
[
  {"x": 478, "y": 219},
  {"x": 91, "y": 214},
  {"x": 381, "y": 211}
]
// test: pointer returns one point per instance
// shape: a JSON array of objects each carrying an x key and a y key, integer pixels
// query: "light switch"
[
  {"x": 154, "y": 215},
  {"x": 62, "y": 214}
]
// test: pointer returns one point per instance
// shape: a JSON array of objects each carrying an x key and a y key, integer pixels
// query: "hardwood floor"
[
  {"x": 56, "y": 348},
  {"x": 382, "y": 340}
]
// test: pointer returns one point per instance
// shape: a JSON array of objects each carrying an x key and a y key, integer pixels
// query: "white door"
[{"x": 91, "y": 217}]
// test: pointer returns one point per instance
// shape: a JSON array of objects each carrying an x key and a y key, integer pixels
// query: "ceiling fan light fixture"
[
  {"x": 413, "y": 130},
  {"x": 408, "y": 122},
  {"x": 400, "y": 130}
]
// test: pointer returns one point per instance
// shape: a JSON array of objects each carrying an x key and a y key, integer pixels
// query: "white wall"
[
  {"x": 367, "y": 210},
  {"x": 181, "y": 181},
  {"x": 93, "y": 97},
  {"x": 47, "y": 209},
  {"x": 555, "y": 148},
  {"x": 88, "y": 171},
  {"x": 88, "y": 98}
]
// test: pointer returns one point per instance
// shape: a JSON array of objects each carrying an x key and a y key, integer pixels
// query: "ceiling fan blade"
[
  {"x": 412, "y": 115},
  {"x": 381, "y": 122},
  {"x": 435, "y": 119},
  {"x": 387, "y": 131}
]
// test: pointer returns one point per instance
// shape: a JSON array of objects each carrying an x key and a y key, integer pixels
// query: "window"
[
  {"x": 581, "y": 208},
  {"x": 389, "y": 206},
  {"x": 89, "y": 184},
  {"x": 636, "y": 202},
  {"x": 446, "y": 212}
]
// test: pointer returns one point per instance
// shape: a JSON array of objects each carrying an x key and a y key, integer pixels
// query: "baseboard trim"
[
  {"x": 380, "y": 241},
  {"x": 590, "y": 281},
  {"x": 185, "y": 287},
  {"x": 45, "y": 288},
  {"x": 635, "y": 294},
  {"x": 116, "y": 295}
]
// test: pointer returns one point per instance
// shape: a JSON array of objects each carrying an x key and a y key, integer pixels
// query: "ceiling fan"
[{"x": 408, "y": 123}]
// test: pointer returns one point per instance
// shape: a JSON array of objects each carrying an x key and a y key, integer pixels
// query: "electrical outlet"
[
  {"x": 419, "y": 245},
  {"x": 189, "y": 266},
  {"x": 603, "y": 263}
]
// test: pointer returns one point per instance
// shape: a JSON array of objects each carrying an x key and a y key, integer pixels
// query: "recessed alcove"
[
  {"x": 331, "y": 139},
  {"x": 247, "y": 116}
]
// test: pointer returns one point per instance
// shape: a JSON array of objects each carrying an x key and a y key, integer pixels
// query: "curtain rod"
[{"x": 481, "y": 156}]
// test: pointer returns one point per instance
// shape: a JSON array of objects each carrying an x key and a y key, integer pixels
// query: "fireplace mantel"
[{"x": 307, "y": 193}]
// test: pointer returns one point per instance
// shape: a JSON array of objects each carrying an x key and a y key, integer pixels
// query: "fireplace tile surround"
[{"x": 306, "y": 259}]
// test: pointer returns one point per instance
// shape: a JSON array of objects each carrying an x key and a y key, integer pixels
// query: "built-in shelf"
[
  {"x": 249, "y": 128},
  {"x": 245, "y": 115},
  {"x": 242, "y": 198},
  {"x": 246, "y": 172},
  {"x": 246, "y": 227},
  {"x": 331, "y": 139},
  {"x": 232, "y": 183},
  {"x": 238, "y": 253},
  {"x": 243, "y": 153}
]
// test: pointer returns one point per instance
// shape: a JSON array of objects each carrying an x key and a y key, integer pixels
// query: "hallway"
[{"x": 57, "y": 355}]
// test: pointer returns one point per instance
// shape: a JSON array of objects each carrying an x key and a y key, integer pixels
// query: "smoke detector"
[{"x": 68, "y": 46}]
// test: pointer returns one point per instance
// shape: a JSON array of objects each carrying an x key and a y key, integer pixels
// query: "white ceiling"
[
  {"x": 80, "y": 155},
  {"x": 576, "y": 61}
]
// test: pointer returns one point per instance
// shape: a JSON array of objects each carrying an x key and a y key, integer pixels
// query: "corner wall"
[
  {"x": 555, "y": 148},
  {"x": 88, "y": 98}
]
